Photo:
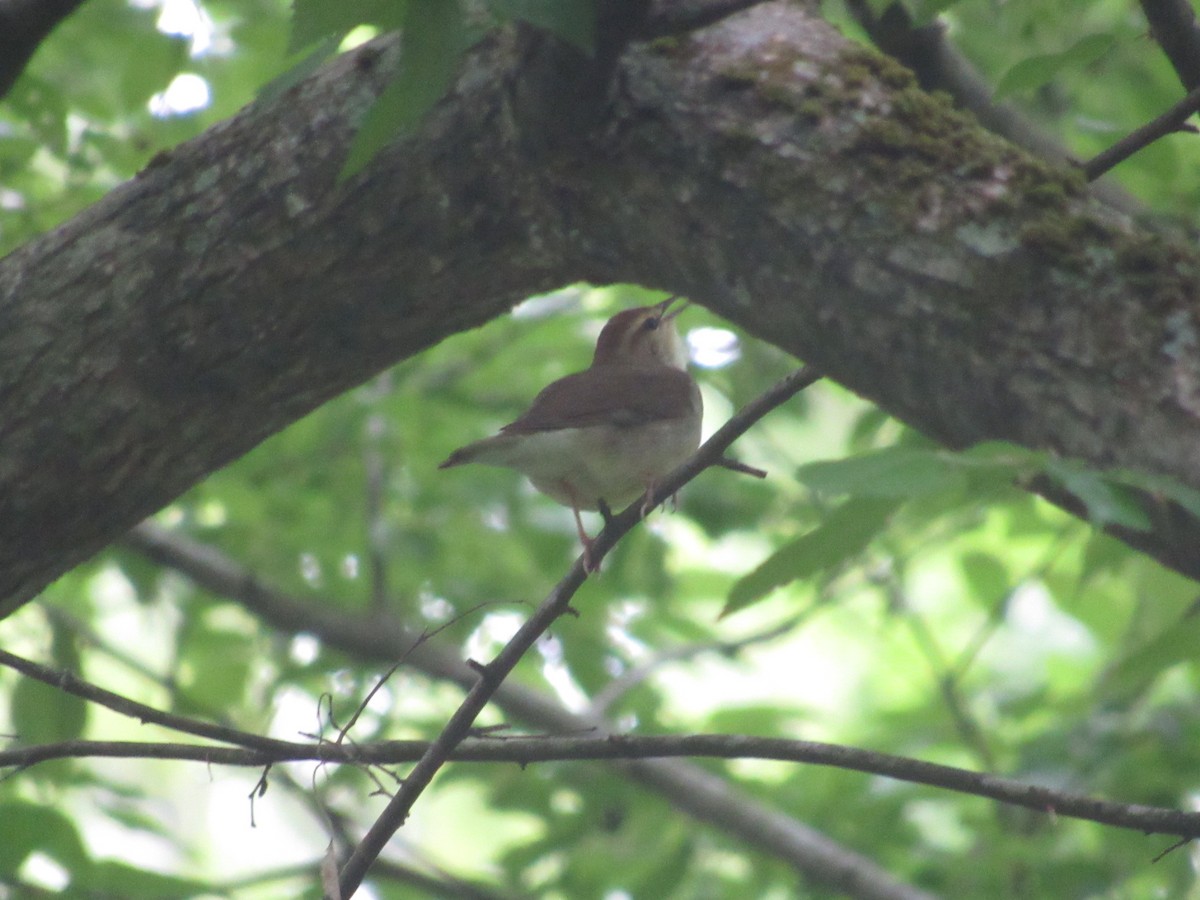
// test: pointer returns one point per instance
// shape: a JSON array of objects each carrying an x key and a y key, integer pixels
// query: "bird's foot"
[
  {"x": 651, "y": 500},
  {"x": 590, "y": 565}
]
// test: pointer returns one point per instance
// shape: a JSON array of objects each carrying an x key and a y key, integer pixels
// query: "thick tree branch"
[
  {"x": 1173, "y": 25},
  {"x": 765, "y": 167},
  {"x": 689, "y": 789},
  {"x": 24, "y": 24},
  {"x": 560, "y": 94}
]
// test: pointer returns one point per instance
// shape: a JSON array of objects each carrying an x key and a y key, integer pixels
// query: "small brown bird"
[{"x": 599, "y": 438}]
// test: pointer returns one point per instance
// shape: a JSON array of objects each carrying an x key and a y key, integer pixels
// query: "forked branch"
[{"x": 555, "y": 604}]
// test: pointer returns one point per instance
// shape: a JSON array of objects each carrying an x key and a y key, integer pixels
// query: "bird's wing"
[{"x": 610, "y": 396}]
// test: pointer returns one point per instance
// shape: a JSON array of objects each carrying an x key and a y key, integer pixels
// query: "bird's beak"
[{"x": 666, "y": 304}]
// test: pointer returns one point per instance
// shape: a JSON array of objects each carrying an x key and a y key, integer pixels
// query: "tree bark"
[{"x": 798, "y": 184}]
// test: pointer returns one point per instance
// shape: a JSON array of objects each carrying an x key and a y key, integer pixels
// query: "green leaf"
[
  {"x": 572, "y": 20},
  {"x": 15, "y": 152},
  {"x": 845, "y": 533},
  {"x": 1175, "y": 644},
  {"x": 433, "y": 42},
  {"x": 42, "y": 714},
  {"x": 987, "y": 577},
  {"x": 870, "y": 422},
  {"x": 160, "y": 58},
  {"x": 118, "y": 879},
  {"x": 214, "y": 667},
  {"x": 1107, "y": 502},
  {"x": 923, "y": 11},
  {"x": 1160, "y": 485},
  {"x": 26, "y": 827},
  {"x": 890, "y": 472},
  {"x": 879, "y": 7},
  {"x": 1035, "y": 71},
  {"x": 1002, "y": 456},
  {"x": 301, "y": 70},
  {"x": 318, "y": 20}
]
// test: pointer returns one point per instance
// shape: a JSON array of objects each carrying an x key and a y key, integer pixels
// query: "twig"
[
  {"x": 528, "y": 750},
  {"x": 493, "y": 674},
  {"x": 383, "y": 679},
  {"x": 1170, "y": 121},
  {"x": 734, "y": 465}
]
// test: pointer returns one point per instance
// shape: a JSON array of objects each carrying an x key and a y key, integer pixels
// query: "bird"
[{"x": 600, "y": 438}]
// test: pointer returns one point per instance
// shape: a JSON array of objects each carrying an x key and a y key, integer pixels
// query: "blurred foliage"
[{"x": 903, "y": 598}]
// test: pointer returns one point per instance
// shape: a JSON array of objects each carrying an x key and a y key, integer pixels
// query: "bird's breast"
[{"x": 615, "y": 463}]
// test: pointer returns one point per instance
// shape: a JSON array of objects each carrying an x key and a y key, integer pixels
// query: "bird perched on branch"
[{"x": 601, "y": 437}]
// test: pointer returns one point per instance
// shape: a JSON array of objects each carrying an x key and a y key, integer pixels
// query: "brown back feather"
[{"x": 610, "y": 396}]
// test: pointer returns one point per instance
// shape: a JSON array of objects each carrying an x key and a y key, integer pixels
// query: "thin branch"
[
  {"x": 528, "y": 750},
  {"x": 691, "y": 789},
  {"x": 266, "y": 750},
  {"x": 71, "y": 684},
  {"x": 1169, "y": 122},
  {"x": 555, "y": 604}
]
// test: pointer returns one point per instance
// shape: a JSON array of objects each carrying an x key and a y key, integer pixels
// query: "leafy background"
[{"x": 874, "y": 591}]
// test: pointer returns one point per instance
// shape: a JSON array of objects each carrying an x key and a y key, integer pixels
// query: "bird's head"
[{"x": 642, "y": 337}]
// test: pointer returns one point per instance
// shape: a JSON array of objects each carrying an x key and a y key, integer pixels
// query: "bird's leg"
[
  {"x": 588, "y": 565},
  {"x": 606, "y": 512}
]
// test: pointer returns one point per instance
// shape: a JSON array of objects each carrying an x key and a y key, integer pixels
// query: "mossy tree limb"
[{"x": 789, "y": 180}]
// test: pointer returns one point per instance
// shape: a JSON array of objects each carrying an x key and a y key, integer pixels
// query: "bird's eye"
[{"x": 651, "y": 323}]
